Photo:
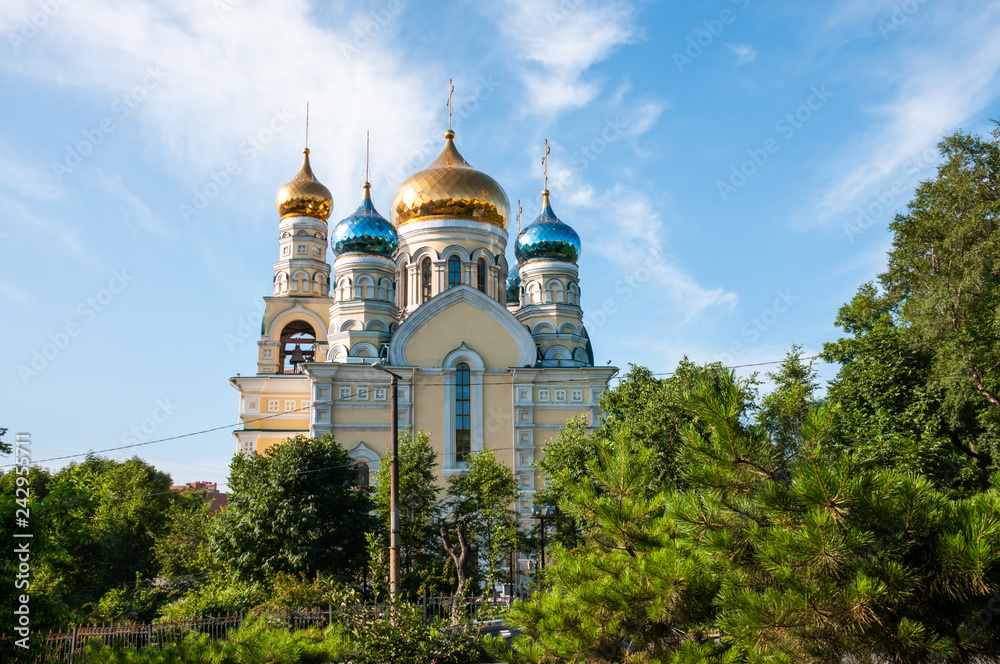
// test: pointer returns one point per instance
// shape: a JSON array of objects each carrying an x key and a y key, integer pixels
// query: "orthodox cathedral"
[{"x": 490, "y": 356}]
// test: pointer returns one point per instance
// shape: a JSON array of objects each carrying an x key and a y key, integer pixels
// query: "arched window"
[
  {"x": 481, "y": 274},
  {"x": 454, "y": 271},
  {"x": 425, "y": 278},
  {"x": 404, "y": 286},
  {"x": 463, "y": 412},
  {"x": 363, "y": 473},
  {"x": 297, "y": 334}
]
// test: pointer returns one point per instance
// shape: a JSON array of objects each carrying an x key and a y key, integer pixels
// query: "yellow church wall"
[
  {"x": 428, "y": 411},
  {"x": 460, "y": 323},
  {"x": 556, "y": 416}
]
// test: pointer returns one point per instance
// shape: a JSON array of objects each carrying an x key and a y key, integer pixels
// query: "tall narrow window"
[
  {"x": 363, "y": 473},
  {"x": 481, "y": 274},
  {"x": 463, "y": 433},
  {"x": 425, "y": 278},
  {"x": 404, "y": 287},
  {"x": 454, "y": 271}
]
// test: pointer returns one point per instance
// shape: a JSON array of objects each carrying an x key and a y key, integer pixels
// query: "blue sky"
[{"x": 730, "y": 165}]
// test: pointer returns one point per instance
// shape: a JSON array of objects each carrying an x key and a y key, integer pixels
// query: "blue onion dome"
[
  {"x": 365, "y": 231},
  {"x": 547, "y": 238},
  {"x": 513, "y": 285}
]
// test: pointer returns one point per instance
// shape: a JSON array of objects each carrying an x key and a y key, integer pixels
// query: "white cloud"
[
  {"x": 623, "y": 226},
  {"x": 559, "y": 40},
  {"x": 206, "y": 85},
  {"x": 744, "y": 53},
  {"x": 937, "y": 88},
  {"x": 14, "y": 293}
]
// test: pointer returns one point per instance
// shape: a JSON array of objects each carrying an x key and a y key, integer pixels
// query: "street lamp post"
[
  {"x": 543, "y": 512},
  {"x": 394, "y": 566}
]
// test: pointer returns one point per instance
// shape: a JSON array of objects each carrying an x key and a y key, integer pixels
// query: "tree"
[
  {"x": 95, "y": 524},
  {"x": 182, "y": 550},
  {"x": 478, "y": 512},
  {"x": 783, "y": 411},
  {"x": 5, "y": 447},
  {"x": 295, "y": 508},
  {"x": 419, "y": 509},
  {"x": 640, "y": 407},
  {"x": 761, "y": 557},
  {"x": 890, "y": 412},
  {"x": 943, "y": 277}
]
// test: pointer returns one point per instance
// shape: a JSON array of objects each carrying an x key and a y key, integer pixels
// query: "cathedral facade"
[{"x": 489, "y": 355}]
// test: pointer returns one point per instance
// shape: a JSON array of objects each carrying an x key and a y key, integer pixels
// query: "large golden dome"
[
  {"x": 449, "y": 187},
  {"x": 305, "y": 196}
]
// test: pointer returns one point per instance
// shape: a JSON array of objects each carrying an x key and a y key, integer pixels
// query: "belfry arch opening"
[{"x": 297, "y": 334}]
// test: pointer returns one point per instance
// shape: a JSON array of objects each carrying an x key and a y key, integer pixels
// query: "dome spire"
[
  {"x": 451, "y": 91},
  {"x": 545, "y": 170},
  {"x": 365, "y": 231},
  {"x": 307, "y": 125}
]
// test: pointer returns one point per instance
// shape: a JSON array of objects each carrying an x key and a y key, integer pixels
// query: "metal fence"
[{"x": 67, "y": 644}]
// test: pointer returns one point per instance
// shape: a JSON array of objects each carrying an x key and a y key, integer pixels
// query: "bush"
[
  {"x": 252, "y": 643},
  {"x": 220, "y": 596}
]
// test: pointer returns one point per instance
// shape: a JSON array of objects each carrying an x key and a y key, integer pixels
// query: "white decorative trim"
[
  {"x": 362, "y": 452},
  {"x": 300, "y": 313},
  {"x": 462, "y": 293},
  {"x": 476, "y": 368},
  {"x": 550, "y": 354},
  {"x": 543, "y": 328},
  {"x": 462, "y": 252},
  {"x": 364, "y": 345}
]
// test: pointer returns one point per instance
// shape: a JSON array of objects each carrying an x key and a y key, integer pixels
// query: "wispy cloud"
[
  {"x": 625, "y": 227},
  {"x": 226, "y": 74},
  {"x": 559, "y": 40},
  {"x": 744, "y": 53},
  {"x": 936, "y": 88}
]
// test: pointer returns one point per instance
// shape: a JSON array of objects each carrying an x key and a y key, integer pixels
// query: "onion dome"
[
  {"x": 365, "y": 231},
  {"x": 547, "y": 238},
  {"x": 304, "y": 196},
  {"x": 449, "y": 187},
  {"x": 513, "y": 285}
]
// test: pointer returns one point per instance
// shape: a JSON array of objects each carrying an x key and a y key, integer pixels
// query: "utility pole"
[{"x": 394, "y": 565}]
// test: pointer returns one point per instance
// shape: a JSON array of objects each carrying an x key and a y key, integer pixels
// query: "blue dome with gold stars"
[
  {"x": 365, "y": 231},
  {"x": 547, "y": 238}
]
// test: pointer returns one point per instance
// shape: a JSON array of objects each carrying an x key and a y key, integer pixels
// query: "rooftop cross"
[{"x": 451, "y": 91}]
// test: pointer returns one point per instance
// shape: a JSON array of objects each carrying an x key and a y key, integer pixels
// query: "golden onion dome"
[
  {"x": 305, "y": 196},
  {"x": 449, "y": 187}
]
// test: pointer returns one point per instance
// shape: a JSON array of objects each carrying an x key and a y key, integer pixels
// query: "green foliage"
[
  {"x": 643, "y": 408},
  {"x": 943, "y": 280},
  {"x": 182, "y": 549},
  {"x": 290, "y": 592},
  {"x": 480, "y": 503},
  {"x": 296, "y": 508},
  {"x": 763, "y": 557},
  {"x": 253, "y": 643},
  {"x": 138, "y": 603},
  {"x": 5, "y": 447},
  {"x": 783, "y": 411},
  {"x": 421, "y": 559},
  {"x": 95, "y": 524},
  {"x": 890, "y": 413},
  {"x": 221, "y": 595},
  {"x": 402, "y": 636}
]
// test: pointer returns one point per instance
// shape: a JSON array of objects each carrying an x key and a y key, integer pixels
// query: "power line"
[{"x": 415, "y": 383}]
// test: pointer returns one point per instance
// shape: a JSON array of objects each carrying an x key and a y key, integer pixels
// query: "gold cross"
[
  {"x": 368, "y": 142},
  {"x": 307, "y": 125},
  {"x": 545, "y": 166},
  {"x": 519, "y": 216},
  {"x": 451, "y": 90}
]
